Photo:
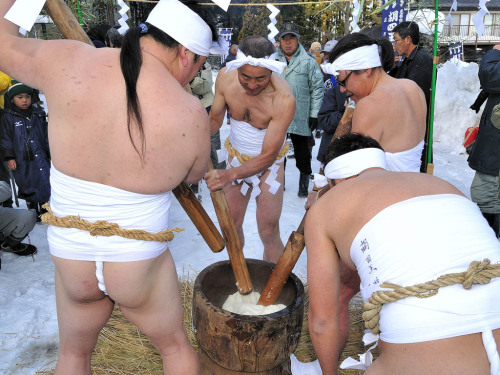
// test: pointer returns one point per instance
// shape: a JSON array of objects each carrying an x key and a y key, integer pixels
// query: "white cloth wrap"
[
  {"x": 454, "y": 225},
  {"x": 93, "y": 201},
  {"x": 248, "y": 139},
  {"x": 351, "y": 164},
  {"x": 405, "y": 161},
  {"x": 267, "y": 62},
  {"x": 182, "y": 24},
  {"x": 359, "y": 58}
]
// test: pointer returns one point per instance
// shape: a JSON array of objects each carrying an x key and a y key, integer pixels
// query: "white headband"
[
  {"x": 351, "y": 164},
  {"x": 183, "y": 25},
  {"x": 267, "y": 62},
  {"x": 359, "y": 58}
]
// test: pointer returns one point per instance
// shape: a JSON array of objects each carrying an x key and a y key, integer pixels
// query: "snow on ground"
[{"x": 28, "y": 322}]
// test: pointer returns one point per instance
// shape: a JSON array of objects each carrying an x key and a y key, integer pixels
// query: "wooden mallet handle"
[{"x": 233, "y": 244}]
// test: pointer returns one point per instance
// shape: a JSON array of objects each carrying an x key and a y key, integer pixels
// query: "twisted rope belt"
[
  {"x": 242, "y": 158},
  {"x": 105, "y": 228},
  {"x": 477, "y": 273}
]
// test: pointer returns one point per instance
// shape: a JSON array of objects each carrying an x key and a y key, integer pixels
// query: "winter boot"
[
  {"x": 303, "y": 185},
  {"x": 494, "y": 222},
  {"x": 21, "y": 249}
]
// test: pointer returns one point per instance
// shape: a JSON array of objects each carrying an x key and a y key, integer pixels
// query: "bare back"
[
  {"x": 363, "y": 197},
  {"x": 394, "y": 114},
  {"x": 88, "y": 119}
]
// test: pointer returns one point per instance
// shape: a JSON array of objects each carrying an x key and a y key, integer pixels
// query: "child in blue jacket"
[{"x": 25, "y": 144}]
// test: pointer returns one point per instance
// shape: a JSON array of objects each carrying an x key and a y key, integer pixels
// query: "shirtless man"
[
  {"x": 391, "y": 111},
  {"x": 121, "y": 140},
  {"x": 262, "y": 107},
  {"x": 371, "y": 220}
]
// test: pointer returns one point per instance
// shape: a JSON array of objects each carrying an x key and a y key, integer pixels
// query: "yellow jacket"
[{"x": 4, "y": 85}]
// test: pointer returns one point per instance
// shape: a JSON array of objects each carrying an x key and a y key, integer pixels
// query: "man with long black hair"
[{"x": 123, "y": 133}]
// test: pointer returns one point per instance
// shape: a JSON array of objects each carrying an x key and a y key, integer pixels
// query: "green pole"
[
  {"x": 80, "y": 21},
  {"x": 433, "y": 92}
]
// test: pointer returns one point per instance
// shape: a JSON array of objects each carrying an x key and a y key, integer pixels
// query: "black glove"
[{"x": 313, "y": 123}]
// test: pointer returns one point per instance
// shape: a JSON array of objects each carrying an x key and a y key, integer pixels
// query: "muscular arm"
[
  {"x": 284, "y": 107},
  {"x": 218, "y": 108},
  {"x": 35, "y": 62},
  {"x": 324, "y": 290}
]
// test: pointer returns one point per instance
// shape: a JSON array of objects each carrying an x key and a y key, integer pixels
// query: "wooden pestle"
[
  {"x": 294, "y": 246},
  {"x": 233, "y": 244},
  {"x": 281, "y": 271}
]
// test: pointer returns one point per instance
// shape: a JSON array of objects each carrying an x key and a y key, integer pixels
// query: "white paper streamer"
[
  {"x": 24, "y": 13},
  {"x": 272, "y": 25},
  {"x": 448, "y": 17},
  {"x": 355, "y": 15},
  {"x": 478, "y": 18},
  {"x": 124, "y": 8},
  {"x": 366, "y": 359},
  {"x": 301, "y": 368},
  {"x": 224, "y": 4}
]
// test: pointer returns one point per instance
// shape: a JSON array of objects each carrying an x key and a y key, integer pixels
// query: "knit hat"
[
  {"x": 315, "y": 47},
  {"x": 495, "y": 116},
  {"x": 17, "y": 88}
]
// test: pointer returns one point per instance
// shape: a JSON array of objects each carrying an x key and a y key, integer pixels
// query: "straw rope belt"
[
  {"x": 477, "y": 273},
  {"x": 242, "y": 158},
  {"x": 105, "y": 228}
]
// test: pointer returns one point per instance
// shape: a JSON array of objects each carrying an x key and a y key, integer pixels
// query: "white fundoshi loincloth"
[{"x": 247, "y": 140}]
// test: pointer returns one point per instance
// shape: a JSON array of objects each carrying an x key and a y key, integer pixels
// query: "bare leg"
[
  {"x": 82, "y": 311},
  {"x": 238, "y": 204},
  {"x": 349, "y": 286},
  {"x": 268, "y": 215},
  {"x": 149, "y": 297}
]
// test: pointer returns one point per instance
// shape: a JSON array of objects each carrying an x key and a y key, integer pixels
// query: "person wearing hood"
[{"x": 25, "y": 145}]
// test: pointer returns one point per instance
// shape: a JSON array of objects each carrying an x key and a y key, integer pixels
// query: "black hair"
[
  {"x": 257, "y": 46},
  {"x": 410, "y": 29},
  {"x": 347, "y": 143},
  {"x": 356, "y": 40},
  {"x": 131, "y": 62},
  {"x": 114, "y": 37}
]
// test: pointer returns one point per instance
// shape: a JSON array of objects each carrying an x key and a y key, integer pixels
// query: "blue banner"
[
  {"x": 393, "y": 15},
  {"x": 227, "y": 34},
  {"x": 456, "y": 50}
]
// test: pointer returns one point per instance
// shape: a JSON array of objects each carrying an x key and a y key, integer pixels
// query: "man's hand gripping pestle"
[{"x": 233, "y": 244}]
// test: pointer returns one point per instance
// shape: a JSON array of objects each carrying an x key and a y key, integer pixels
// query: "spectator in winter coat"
[
  {"x": 306, "y": 81},
  {"x": 485, "y": 154},
  {"x": 329, "y": 115},
  {"x": 25, "y": 144}
]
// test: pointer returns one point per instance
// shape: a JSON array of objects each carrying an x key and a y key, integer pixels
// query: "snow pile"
[{"x": 456, "y": 89}]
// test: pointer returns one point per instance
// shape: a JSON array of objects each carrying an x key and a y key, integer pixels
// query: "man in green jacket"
[{"x": 306, "y": 81}]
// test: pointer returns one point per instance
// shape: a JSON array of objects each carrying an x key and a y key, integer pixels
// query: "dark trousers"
[{"x": 302, "y": 148}]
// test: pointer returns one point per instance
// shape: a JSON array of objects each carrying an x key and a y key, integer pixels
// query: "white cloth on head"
[
  {"x": 405, "y": 161},
  {"x": 183, "y": 25},
  {"x": 267, "y": 62},
  {"x": 247, "y": 140},
  {"x": 390, "y": 248},
  {"x": 359, "y": 58},
  {"x": 351, "y": 164}
]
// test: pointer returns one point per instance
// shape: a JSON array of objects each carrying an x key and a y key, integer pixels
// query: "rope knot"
[
  {"x": 103, "y": 228},
  {"x": 477, "y": 274}
]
